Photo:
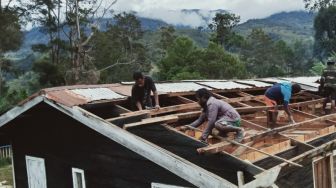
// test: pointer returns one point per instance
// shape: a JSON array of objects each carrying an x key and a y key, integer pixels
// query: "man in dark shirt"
[{"x": 141, "y": 91}]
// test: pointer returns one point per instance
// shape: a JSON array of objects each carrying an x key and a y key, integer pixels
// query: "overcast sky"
[
  {"x": 167, "y": 10},
  {"x": 247, "y": 9}
]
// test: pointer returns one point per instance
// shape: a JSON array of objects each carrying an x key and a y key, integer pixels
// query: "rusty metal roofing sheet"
[
  {"x": 254, "y": 83},
  {"x": 225, "y": 85},
  {"x": 95, "y": 94},
  {"x": 66, "y": 97},
  {"x": 178, "y": 87},
  {"x": 122, "y": 89}
]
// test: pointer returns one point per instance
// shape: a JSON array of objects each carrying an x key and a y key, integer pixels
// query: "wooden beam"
[
  {"x": 185, "y": 100},
  {"x": 240, "y": 177},
  {"x": 156, "y": 120},
  {"x": 260, "y": 99},
  {"x": 231, "y": 100},
  {"x": 125, "y": 110},
  {"x": 173, "y": 163},
  {"x": 265, "y": 179},
  {"x": 283, "y": 128},
  {"x": 297, "y": 141},
  {"x": 163, "y": 119},
  {"x": 193, "y": 138},
  {"x": 240, "y": 150},
  {"x": 292, "y": 105},
  {"x": 253, "y": 125},
  {"x": 189, "y": 106},
  {"x": 216, "y": 148},
  {"x": 213, "y": 149},
  {"x": 329, "y": 146}
]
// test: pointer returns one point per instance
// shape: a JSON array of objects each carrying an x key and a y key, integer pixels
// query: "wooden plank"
[
  {"x": 205, "y": 149},
  {"x": 175, "y": 164},
  {"x": 164, "y": 119},
  {"x": 185, "y": 100},
  {"x": 292, "y": 105},
  {"x": 253, "y": 125},
  {"x": 265, "y": 179},
  {"x": 181, "y": 133},
  {"x": 240, "y": 177},
  {"x": 190, "y": 106},
  {"x": 331, "y": 116},
  {"x": 240, "y": 150},
  {"x": 232, "y": 100}
]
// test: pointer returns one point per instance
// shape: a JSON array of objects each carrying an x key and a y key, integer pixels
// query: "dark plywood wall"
[
  {"x": 220, "y": 164},
  {"x": 64, "y": 143}
]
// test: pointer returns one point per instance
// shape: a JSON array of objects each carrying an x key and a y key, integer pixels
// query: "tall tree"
[
  {"x": 10, "y": 37},
  {"x": 314, "y": 5},
  {"x": 119, "y": 51},
  {"x": 222, "y": 25},
  {"x": 263, "y": 56},
  {"x": 325, "y": 31}
]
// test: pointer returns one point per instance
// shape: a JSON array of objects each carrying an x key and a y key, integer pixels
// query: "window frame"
[{"x": 73, "y": 172}]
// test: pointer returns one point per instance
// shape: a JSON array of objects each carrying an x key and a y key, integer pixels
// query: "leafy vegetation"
[{"x": 80, "y": 47}]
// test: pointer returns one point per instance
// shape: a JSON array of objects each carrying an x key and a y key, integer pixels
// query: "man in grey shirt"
[{"x": 219, "y": 114}]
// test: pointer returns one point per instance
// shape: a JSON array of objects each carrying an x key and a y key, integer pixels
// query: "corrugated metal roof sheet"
[
  {"x": 178, "y": 87},
  {"x": 310, "y": 81},
  {"x": 225, "y": 85},
  {"x": 95, "y": 94},
  {"x": 122, "y": 89},
  {"x": 66, "y": 97},
  {"x": 271, "y": 80},
  {"x": 254, "y": 83}
]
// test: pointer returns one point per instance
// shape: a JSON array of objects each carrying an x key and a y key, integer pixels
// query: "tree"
[
  {"x": 303, "y": 55},
  {"x": 180, "y": 61},
  {"x": 317, "y": 69},
  {"x": 167, "y": 37},
  {"x": 318, "y": 4},
  {"x": 265, "y": 57},
  {"x": 70, "y": 30},
  {"x": 222, "y": 25},
  {"x": 325, "y": 31},
  {"x": 119, "y": 51},
  {"x": 216, "y": 63},
  {"x": 11, "y": 35},
  {"x": 186, "y": 61}
]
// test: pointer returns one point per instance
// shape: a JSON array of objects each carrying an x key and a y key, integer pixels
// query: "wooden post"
[{"x": 240, "y": 177}]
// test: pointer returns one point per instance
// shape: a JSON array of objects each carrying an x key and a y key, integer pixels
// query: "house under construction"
[{"x": 90, "y": 136}]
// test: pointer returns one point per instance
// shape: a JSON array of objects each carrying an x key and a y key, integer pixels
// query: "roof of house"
[{"x": 260, "y": 143}]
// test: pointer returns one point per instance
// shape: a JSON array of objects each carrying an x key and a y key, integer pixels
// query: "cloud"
[{"x": 247, "y": 9}]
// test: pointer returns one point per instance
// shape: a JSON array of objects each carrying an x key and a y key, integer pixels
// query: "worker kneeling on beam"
[
  {"x": 281, "y": 93},
  {"x": 219, "y": 114}
]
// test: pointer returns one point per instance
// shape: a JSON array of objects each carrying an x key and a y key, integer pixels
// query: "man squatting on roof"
[
  {"x": 219, "y": 114},
  {"x": 141, "y": 92},
  {"x": 282, "y": 93}
]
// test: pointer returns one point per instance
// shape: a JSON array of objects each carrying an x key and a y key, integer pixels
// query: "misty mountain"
[{"x": 288, "y": 26}]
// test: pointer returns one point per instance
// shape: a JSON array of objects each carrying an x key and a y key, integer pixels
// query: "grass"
[{"x": 6, "y": 173}]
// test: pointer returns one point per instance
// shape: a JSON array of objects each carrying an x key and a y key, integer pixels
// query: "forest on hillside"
[{"x": 81, "y": 49}]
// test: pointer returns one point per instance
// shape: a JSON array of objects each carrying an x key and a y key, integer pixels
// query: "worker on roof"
[
  {"x": 328, "y": 85},
  {"x": 281, "y": 93},
  {"x": 141, "y": 92},
  {"x": 219, "y": 115}
]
